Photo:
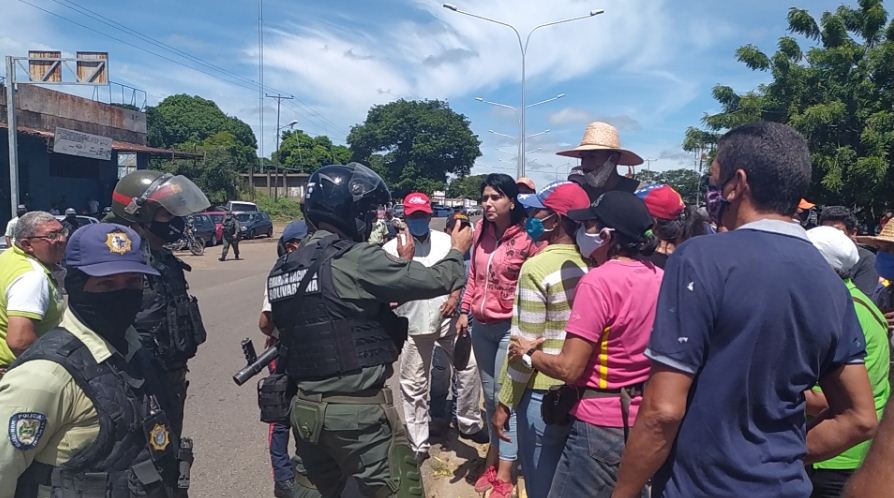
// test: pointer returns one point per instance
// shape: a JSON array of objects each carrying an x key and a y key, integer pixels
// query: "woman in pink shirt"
[
  {"x": 607, "y": 334},
  {"x": 500, "y": 247}
]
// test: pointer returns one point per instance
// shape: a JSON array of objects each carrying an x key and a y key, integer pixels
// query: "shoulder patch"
[{"x": 26, "y": 429}]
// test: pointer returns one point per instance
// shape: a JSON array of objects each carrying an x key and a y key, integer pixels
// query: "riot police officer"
[
  {"x": 339, "y": 338},
  {"x": 169, "y": 323},
  {"x": 84, "y": 407}
]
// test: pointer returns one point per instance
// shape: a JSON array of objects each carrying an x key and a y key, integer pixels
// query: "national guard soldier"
[
  {"x": 154, "y": 204},
  {"x": 83, "y": 409},
  {"x": 339, "y": 338}
]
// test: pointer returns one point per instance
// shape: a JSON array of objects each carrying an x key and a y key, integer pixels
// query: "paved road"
[{"x": 231, "y": 452}]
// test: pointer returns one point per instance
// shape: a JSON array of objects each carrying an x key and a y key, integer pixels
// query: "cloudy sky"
[{"x": 646, "y": 66}]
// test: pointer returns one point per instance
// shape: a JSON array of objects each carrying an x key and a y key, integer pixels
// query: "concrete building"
[
  {"x": 52, "y": 176},
  {"x": 291, "y": 185}
]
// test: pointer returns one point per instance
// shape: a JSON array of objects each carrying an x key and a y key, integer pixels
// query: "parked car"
[
  {"x": 474, "y": 211},
  {"x": 203, "y": 228},
  {"x": 241, "y": 206},
  {"x": 398, "y": 211},
  {"x": 217, "y": 217},
  {"x": 253, "y": 224},
  {"x": 441, "y": 211},
  {"x": 83, "y": 220}
]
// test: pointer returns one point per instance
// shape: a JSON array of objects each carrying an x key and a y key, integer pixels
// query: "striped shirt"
[{"x": 544, "y": 296}]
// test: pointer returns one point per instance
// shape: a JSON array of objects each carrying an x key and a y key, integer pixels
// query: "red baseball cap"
[
  {"x": 561, "y": 197},
  {"x": 415, "y": 202},
  {"x": 662, "y": 201}
]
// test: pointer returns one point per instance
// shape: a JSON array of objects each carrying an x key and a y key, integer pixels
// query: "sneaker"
[
  {"x": 480, "y": 437},
  {"x": 487, "y": 479},
  {"x": 502, "y": 489},
  {"x": 283, "y": 489},
  {"x": 221, "y": 259}
]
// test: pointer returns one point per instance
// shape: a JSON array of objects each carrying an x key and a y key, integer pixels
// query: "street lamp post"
[
  {"x": 524, "y": 51},
  {"x": 517, "y": 117}
]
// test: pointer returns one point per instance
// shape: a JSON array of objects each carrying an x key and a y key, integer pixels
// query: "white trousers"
[{"x": 415, "y": 379}]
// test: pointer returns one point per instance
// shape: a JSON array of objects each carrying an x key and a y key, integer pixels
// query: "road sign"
[{"x": 76, "y": 143}]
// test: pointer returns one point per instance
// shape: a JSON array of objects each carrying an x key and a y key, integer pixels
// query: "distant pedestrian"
[
  {"x": 379, "y": 232},
  {"x": 70, "y": 222},
  {"x": 739, "y": 337},
  {"x": 863, "y": 273},
  {"x": 231, "y": 235},
  {"x": 11, "y": 225},
  {"x": 674, "y": 221},
  {"x": 525, "y": 185}
]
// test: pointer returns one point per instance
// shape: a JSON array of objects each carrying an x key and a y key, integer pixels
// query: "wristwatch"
[{"x": 528, "y": 359}]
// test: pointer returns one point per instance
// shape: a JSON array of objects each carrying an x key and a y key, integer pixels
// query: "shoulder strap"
[{"x": 873, "y": 310}]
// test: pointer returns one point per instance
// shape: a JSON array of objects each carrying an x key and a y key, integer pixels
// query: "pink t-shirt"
[{"x": 614, "y": 308}]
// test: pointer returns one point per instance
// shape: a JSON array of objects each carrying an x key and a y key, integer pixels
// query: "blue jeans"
[
  {"x": 539, "y": 445},
  {"x": 279, "y": 453},
  {"x": 489, "y": 343},
  {"x": 589, "y": 463}
]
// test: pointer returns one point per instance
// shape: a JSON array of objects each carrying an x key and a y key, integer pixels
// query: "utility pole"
[
  {"x": 13, "y": 135},
  {"x": 279, "y": 98}
]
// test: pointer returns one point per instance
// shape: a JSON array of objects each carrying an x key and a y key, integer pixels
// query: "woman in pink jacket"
[{"x": 500, "y": 248}]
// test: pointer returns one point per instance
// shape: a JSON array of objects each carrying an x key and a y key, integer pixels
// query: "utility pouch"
[
  {"x": 307, "y": 419},
  {"x": 274, "y": 399},
  {"x": 198, "y": 328},
  {"x": 557, "y": 404}
]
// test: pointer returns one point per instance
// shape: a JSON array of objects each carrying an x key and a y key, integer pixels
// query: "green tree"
[
  {"x": 301, "y": 152},
  {"x": 217, "y": 172},
  {"x": 838, "y": 93},
  {"x": 181, "y": 119},
  {"x": 468, "y": 187},
  {"x": 415, "y": 144}
]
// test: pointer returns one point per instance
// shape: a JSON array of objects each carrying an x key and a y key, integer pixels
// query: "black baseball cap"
[{"x": 623, "y": 211}]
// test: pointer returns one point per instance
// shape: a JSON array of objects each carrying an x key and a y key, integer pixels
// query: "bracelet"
[{"x": 530, "y": 352}]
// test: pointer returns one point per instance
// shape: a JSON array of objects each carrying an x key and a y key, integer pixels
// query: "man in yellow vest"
[{"x": 30, "y": 300}]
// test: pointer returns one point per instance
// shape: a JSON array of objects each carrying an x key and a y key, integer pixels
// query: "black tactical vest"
[
  {"x": 134, "y": 453},
  {"x": 169, "y": 321},
  {"x": 322, "y": 336}
]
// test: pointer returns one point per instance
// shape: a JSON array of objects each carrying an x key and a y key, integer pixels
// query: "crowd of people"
[{"x": 618, "y": 342}]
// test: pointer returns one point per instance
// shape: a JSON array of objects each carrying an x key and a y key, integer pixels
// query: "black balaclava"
[
  {"x": 168, "y": 231},
  {"x": 109, "y": 314}
]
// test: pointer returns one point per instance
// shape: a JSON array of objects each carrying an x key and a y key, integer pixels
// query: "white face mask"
[{"x": 588, "y": 243}]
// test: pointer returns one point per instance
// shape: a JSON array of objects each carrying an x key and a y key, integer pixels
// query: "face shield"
[{"x": 177, "y": 194}]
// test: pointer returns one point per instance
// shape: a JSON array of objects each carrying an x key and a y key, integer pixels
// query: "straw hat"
[
  {"x": 885, "y": 237},
  {"x": 602, "y": 136}
]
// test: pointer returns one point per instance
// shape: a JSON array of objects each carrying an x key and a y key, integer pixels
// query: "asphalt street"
[{"x": 231, "y": 458}]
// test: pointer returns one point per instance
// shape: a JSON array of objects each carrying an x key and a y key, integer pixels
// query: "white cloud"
[{"x": 570, "y": 115}]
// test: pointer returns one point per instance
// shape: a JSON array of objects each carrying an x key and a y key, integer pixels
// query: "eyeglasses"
[{"x": 52, "y": 236}]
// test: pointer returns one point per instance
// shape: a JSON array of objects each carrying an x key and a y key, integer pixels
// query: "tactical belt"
[
  {"x": 367, "y": 397},
  {"x": 626, "y": 393}
]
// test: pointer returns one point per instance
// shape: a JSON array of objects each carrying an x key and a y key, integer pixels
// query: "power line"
[{"x": 225, "y": 75}]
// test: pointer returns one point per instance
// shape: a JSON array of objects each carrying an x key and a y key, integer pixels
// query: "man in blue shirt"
[{"x": 738, "y": 337}]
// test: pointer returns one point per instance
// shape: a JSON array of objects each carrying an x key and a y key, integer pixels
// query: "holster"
[{"x": 274, "y": 398}]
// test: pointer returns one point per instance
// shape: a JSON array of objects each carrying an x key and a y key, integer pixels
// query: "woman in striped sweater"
[{"x": 543, "y": 302}]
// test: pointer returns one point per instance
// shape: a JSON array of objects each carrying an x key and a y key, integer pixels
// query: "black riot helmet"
[{"x": 346, "y": 197}]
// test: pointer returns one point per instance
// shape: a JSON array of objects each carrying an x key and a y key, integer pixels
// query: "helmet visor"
[
  {"x": 179, "y": 196},
  {"x": 364, "y": 181}
]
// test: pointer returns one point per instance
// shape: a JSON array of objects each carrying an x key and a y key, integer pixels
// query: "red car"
[{"x": 218, "y": 218}]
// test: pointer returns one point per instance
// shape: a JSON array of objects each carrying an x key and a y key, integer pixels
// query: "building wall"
[{"x": 45, "y": 109}]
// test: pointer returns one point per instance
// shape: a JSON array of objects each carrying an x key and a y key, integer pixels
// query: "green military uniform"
[{"x": 361, "y": 434}]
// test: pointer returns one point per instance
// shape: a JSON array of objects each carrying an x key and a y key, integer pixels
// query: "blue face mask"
[
  {"x": 418, "y": 226},
  {"x": 534, "y": 227}
]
